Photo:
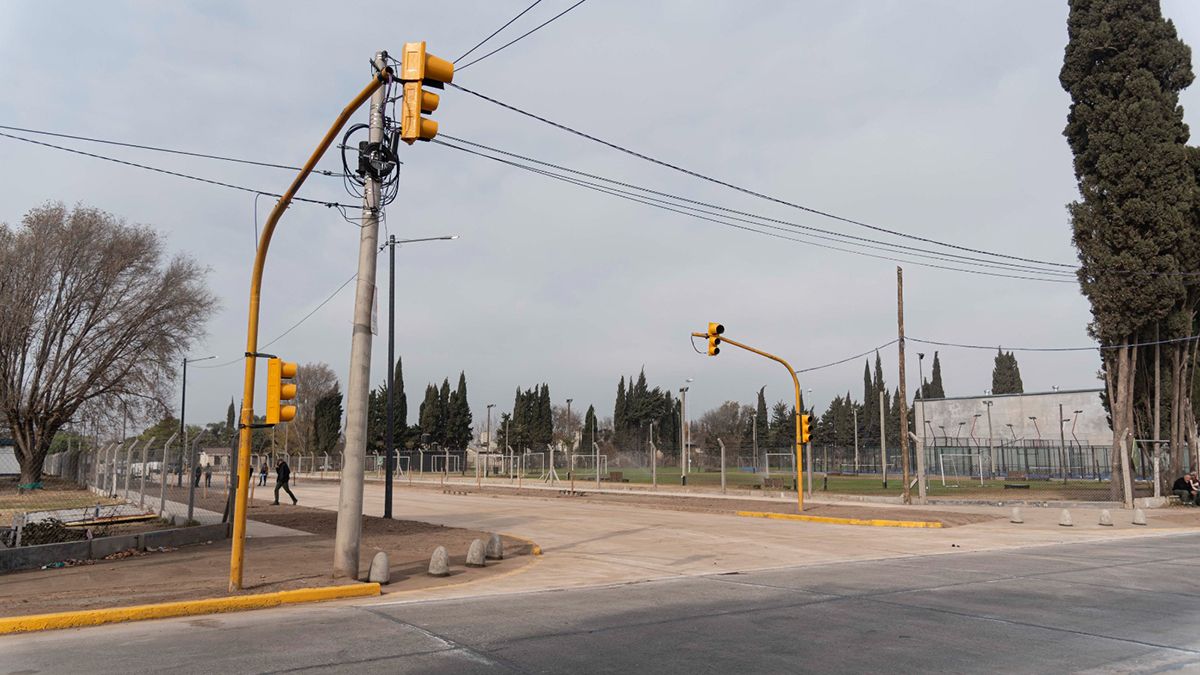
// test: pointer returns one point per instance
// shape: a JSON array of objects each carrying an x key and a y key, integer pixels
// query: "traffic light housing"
[
  {"x": 417, "y": 69},
  {"x": 279, "y": 370},
  {"x": 805, "y": 428},
  {"x": 714, "y": 338}
]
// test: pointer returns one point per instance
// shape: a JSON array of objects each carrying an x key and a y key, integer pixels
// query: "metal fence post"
[
  {"x": 162, "y": 477},
  {"x": 722, "y": 444},
  {"x": 142, "y": 488}
]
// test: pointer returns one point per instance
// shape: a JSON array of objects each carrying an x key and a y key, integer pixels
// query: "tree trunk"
[
  {"x": 1120, "y": 388},
  {"x": 32, "y": 444},
  {"x": 1176, "y": 440}
]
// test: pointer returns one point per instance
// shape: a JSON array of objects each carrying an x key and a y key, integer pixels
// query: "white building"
[{"x": 965, "y": 420}]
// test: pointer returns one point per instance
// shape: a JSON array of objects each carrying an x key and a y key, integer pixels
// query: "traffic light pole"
[
  {"x": 350, "y": 499},
  {"x": 247, "y": 413},
  {"x": 799, "y": 411}
]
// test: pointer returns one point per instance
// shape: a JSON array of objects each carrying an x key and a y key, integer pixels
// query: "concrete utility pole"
[
  {"x": 883, "y": 467},
  {"x": 350, "y": 499},
  {"x": 855, "y": 441},
  {"x": 991, "y": 440},
  {"x": 903, "y": 387},
  {"x": 683, "y": 458}
]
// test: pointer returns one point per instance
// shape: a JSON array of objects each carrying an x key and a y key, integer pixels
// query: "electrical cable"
[
  {"x": 1189, "y": 338},
  {"x": 643, "y": 200},
  {"x": 830, "y": 233},
  {"x": 848, "y": 358},
  {"x": 753, "y": 193},
  {"x": 166, "y": 150},
  {"x": 497, "y": 31},
  {"x": 176, "y": 173},
  {"x": 522, "y": 37}
]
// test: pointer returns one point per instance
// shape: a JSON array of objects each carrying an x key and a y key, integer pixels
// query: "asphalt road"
[{"x": 1130, "y": 606}]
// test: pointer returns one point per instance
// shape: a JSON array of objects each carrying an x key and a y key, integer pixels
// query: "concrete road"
[
  {"x": 1106, "y": 606},
  {"x": 588, "y": 544}
]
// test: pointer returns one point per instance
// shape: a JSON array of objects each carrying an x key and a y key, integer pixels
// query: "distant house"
[{"x": 218, "y": 458}]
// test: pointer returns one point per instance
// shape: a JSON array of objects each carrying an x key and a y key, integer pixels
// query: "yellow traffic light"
[
  {"x": 279, "y": 370},
  {"x": 714, "y": 339},
  {"x": 418, "y": 69},
  {"x": 805, "y": 429}
]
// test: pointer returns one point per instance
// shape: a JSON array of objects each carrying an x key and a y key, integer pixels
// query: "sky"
[{"x": 941, "y": 119}]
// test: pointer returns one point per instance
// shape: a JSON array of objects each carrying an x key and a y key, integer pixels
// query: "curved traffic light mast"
[{"x": 716, "y": 336}]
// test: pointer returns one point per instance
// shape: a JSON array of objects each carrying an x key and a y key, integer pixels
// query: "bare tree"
[
  {"x": 92, "y": 314},
  {"x": 313, "y": 382}
]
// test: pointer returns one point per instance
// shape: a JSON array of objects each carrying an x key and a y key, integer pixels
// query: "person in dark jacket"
[
  {"x": 283, "y": 473},
  {"x": 262, "y": 475},
  {"x": 1185, "y": 488}
]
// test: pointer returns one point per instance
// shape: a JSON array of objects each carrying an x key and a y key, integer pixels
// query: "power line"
[
  {"x": 293, "y": 327},
  {"x": 497, "y": 31},
  {"x": 753, "y": 193},
  {"x": 831, "y": 235},
  {"x": 176, "y": 173},
  {"x": 166, "y": 150},
  {"x": 522, "y": 37},
  {"x": 1093, "y": 348},
  {"x": 647, "y": 202},
  {"x": 849, "y": 358}
]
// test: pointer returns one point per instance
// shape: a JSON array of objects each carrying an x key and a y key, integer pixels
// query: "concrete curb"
[
  {"x": 97, "y": 617},
  {"x": 873, "y": 522}
]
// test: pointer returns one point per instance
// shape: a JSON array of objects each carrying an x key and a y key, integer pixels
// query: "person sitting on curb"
[
  {"x": 283, "y": 473},
  {"x": 1185, "y": 488}
]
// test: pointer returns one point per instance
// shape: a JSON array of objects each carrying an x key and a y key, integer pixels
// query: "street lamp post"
[
  {"x": 685, "y": 462},
  {"x": 488, "y": 445},
  {"x": 991, "y": 441},
  {"x": 389, "y": 463}
]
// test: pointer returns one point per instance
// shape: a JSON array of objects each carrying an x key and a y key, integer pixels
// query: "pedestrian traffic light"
[
  {"x": 714, "y": 338},
  {"x": 279, "y": 370},
  {"x": 805, "y": 429},
  {"x": 418, "y": 69}
]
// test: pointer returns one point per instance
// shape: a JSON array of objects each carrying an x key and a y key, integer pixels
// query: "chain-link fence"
[{"x": 114, "y": 488}]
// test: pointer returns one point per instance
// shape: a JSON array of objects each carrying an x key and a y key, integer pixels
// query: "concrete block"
[
  {"x": 495, "y": 548},
  {"x": 439, "y": 563},
  {"x": 1139, "y": 517},
  {"x": 1064, "y": 518},
  {"x": 381, "y": 572},
  {"x": 1016, "y": 516},
  {"x": 106, "y": 546},
  {"x": 1106, "y": 518},
  {"x": 475, "y": 554},
  {"x": 1154, "y": 502},
  {"x": 185, "y": 536},
  {"x": 33, "y": 557}
]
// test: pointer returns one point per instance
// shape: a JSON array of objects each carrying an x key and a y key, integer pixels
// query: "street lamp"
[
  {"x": 921, "y": 372},
  {"x": 488, "y": 446},
  {"x": 1035, "y": 427},
  {"x": 684, "y": 462},
  {"x": 389, "y": 463}
]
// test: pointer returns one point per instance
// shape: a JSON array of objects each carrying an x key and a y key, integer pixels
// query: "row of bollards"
[
  {"x": 439, "y": 563},
  {"x": 1064, "y": 518}
]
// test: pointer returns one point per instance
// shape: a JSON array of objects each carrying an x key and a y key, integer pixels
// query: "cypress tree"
[
  {"x": 762, "y": 419},
  {"x": 589, "y": 431},
  {"x": 428, "y": 415},
  {"x": 230, "y": 419},
  {"x": 1124, "y": 67},
  {"x": 327, "y": 421},
  {"x": 443, "y": 414},
  {"x": 545, "y": 415},
  {"x": 619, "y": 410},
  {"x": 934, "y": 388},
  {"x": 1006, "y": 375}
]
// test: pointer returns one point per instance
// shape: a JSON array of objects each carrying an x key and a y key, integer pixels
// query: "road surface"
[{"x": 1096, "y": 606}]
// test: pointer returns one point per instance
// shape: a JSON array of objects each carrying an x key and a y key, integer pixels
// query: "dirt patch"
[{"x": 271, "y": 564}]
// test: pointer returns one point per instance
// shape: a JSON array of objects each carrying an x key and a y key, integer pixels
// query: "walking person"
[
  {"x": 196, "y": 482},
  {"x": 283, "y": 473},
  {"x": 262, "y": 474},
  {"x": 208, "y": 475}
]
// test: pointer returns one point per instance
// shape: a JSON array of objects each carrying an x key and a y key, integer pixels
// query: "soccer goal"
[
  {"x": 957, "y": 467},
  {"x": 585, "y": 465},
  {"x": 782, "y": 463},
  {"x": 446, "y": 463},
  {"x": 533, "y": 464}
]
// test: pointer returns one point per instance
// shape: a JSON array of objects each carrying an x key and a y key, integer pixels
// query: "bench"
[
  {"x": 776, "y": 484},
  {"x": 1016, "y": 486},
  {"x": 616, "y": 477}
]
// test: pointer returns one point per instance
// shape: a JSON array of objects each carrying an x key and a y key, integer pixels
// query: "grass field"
[{"x": 58, "y": 494}]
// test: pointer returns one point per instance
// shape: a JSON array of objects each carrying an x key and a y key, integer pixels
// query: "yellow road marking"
[{"x": 870, "y": 522}]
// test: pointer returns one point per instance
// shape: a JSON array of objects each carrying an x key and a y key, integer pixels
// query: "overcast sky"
[{"x": 940, "y": 119}]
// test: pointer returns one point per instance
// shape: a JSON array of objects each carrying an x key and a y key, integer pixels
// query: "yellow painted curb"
[
  {"x": 96, "y": 617},
  {"x": 872, "y": 522}
]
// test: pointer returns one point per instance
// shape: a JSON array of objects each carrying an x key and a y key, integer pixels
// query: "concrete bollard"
[
  {"x": 1106, "y": 518},
  {"x": 381, "y": 572},
  {"x": 1064, "y": 519},
  {"x": 495, "y": 548},
  {"x": 439, "y": 563},
  {"x": 475, "y": 554},
  {"x": 1016, "y": 516},
  {"x": 1139, "y": 517}
]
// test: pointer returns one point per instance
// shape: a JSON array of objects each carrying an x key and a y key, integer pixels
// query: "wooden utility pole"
[
  {"x": 883, "y": 467},
  {"x": 903, "y": 387}
]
